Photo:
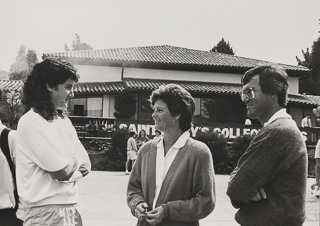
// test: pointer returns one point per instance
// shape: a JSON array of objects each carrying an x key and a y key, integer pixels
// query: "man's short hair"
[
  {"x": 131, "y": 134},
  {"x": 272, "y": 80}
]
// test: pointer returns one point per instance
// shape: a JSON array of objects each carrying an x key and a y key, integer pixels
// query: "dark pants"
[{"x": 8, "y": 218}]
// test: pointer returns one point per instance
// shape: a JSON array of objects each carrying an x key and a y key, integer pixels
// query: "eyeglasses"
[{"x": 248, "y": 93}]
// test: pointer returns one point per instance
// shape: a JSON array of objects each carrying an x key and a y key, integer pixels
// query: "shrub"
[
  {"x": 218, "y": 146},
  {"x": 97, "y": 146},
  {"x": 238, "y": 147},
  {"x": 108, "y": 156},
  {"x": 117, "y": 153}
]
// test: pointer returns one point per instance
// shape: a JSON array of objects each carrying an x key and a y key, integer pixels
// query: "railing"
[
  {"x": 93, "y": 127},
  {"x": 102, "y": 128}
]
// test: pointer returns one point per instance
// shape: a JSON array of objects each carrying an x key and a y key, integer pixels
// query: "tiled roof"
[
  {"x": 10, "y": 84},
  {"x": 302, "y": 99},
  {"x": 133, "y": 84},
  {"x": 170, "y": 55},
  {"x": 99, "y": 87},
  {"x": 191, "y": 86}
]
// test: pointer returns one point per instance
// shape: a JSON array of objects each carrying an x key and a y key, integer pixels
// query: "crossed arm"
[{"x": 72, "y": 171}]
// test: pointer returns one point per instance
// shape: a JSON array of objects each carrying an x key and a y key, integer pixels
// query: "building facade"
[
  {"x": 119, "y": 82},
  {"x": 127, "y": 76}
]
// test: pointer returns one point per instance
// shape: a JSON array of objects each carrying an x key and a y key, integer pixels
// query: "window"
[
  {"x": 75, "y": 105},
  {"x": 220, "y": 109},
  {"x": 145, "y": 109},
  {"x": 78, "y": 110},
  {"x": 94, "y": 106}
]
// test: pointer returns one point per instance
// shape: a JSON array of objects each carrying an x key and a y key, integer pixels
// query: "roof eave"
[{"x": 169, "y": 66}]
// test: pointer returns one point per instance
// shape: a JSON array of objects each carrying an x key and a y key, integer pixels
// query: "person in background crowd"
[
  {"x": 142, "y": 138},
  {"x": 158, "y": 135},
  {"x": 172, "y": 182},
  {"x": 247, "y": 121},
  {"x": 306, "y": 121},
  {"x": 268, "y": 186},
  {"x": 8, "y": 190},
  {"x": 50, "y": 157},
  {"x": 132, "y": 151},
  {"x": 315, "y": 187}
]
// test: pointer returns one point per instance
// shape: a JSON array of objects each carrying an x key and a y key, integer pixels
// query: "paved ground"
[{"x": 103, "y": 202}]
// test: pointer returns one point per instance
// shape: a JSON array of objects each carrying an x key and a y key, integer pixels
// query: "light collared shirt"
[
  {"x": 306, "y": 122},
  {"x": 281, "y": 113},
  {"x": 163, "y": 162}
]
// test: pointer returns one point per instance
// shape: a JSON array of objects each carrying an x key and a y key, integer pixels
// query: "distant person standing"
[
  {"x": 247, "y": 122},
  {"x": 306, "y": 121},
  {"x": 142, "y": 138},
  {"x": 132, "y": 151},
  {"x": 50, "y": 157}
]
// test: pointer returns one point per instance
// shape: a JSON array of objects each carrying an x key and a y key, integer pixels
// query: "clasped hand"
[
  {"x": 153, "y": 217},
  {"x": 259, "y": 195}
]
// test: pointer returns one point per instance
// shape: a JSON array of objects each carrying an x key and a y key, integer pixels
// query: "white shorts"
[
  {"x": 58, "y": 215},
  {"x": 132, "y": 155}
]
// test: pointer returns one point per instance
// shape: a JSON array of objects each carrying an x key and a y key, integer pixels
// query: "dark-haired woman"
[
  {"x": 142, "y": 138},
  {"x": 50, "y": 159},
  {"x": 172, "y": 182}
]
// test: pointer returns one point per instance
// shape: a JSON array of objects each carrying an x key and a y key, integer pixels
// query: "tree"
[
  {"x": 32, "y": 59},
  {"x": 21, "y": 60},
  {"x": 77, "y": 45},
  {"x": 125, "y": 106},
  {"x": 307, "y": 59},
  {"x": 315, "y": 65},
  {"x": 223, "y": 47},
  {"x": 66, "y": 48},
  {"x": 24, "y": 63},
  {"x": 10, "y": 106},
  {"x": 310, "y": 85}
]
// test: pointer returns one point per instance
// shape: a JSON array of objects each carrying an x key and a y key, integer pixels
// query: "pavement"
[{"x": 102, "y": 200}]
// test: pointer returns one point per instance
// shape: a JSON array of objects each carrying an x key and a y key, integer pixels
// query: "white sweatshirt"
[{"x": 44, "y": 146}]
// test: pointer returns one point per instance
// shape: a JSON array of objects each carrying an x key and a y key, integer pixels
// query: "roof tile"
[
  {"x": 10, "y": 84},
  {"x": 166, "y": 54},
  {"x": 150, "y": 84}
]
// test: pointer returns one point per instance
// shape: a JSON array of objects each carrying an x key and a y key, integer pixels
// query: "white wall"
[
  {"x": 293, "y": 85},
  {"x": 182, "y": 75},
  {"x": 90, "y": 73}
]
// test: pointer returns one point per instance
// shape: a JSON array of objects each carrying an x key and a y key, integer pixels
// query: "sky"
[{"x": 271, "y": 30}]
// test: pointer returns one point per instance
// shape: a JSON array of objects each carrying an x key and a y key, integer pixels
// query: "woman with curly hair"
[{"x": 50, "y": 157}]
